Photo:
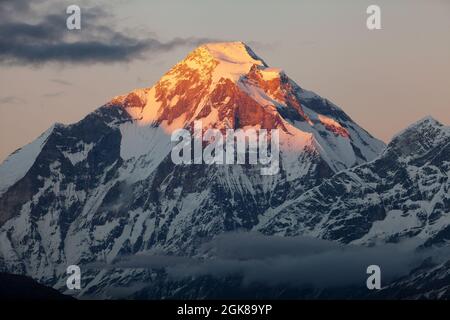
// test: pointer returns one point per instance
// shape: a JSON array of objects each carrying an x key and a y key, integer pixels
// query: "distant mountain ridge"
[{"x": 403, "y": 193}]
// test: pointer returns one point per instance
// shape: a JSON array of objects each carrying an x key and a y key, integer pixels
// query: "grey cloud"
[
  {"x": 62, "y": 82},
  {"x": 11, "y": 100},
  {"x": 297, "y": 261},
  {"x": 48, "y": 40},
  {"x": 9, "y": 7},
  {"x": 53, "y": 94},
  {"x": 291, "y": 261}
]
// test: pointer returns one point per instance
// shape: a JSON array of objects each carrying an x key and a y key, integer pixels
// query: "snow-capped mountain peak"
[
  {"x": 226, "y": 85},
  {"x": 419, "y": 138},
  {"x": 424, "y": 124},
  {"x": 183, "y": 91},
  {"x": 234, "y": 59}
]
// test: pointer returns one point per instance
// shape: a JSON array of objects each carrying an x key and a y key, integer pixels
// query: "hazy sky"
[{"x": 384, "y": 79}]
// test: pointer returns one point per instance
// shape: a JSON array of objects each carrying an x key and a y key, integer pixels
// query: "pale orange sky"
[{"x": 384, "y": 80}]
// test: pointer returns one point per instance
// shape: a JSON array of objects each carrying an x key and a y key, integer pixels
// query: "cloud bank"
[
  {"x": 291, "y": 261},
  {"x": 48, "y": 40}
]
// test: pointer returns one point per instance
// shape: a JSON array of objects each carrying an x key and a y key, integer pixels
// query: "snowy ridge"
[
  {"x": 401, "y": 194},
  {"x": 422, "y": 124},
  {"x": 19, "y": 162}
]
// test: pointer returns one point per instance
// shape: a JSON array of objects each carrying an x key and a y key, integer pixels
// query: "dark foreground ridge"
[{"x": 16, "y": 287}]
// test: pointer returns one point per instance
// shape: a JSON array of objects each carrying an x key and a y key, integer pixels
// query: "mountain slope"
[{"x": 402, "y": 194}]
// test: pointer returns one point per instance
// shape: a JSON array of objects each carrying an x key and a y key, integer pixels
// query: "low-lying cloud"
[{"x": 292, "y": 261}]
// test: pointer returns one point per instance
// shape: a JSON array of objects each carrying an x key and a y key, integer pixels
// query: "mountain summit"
[{"x": 226, "y": 85}]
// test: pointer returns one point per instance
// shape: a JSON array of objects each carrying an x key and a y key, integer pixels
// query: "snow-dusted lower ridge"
[
  {"x": 404, "y": 193},
  {"x": 429, "y": 281},
  {"x": 20, "y": 161},
  {"x": 106, "y": 187}
]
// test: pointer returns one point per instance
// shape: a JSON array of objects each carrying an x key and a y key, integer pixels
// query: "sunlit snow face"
[{"x": 227, "y": 149}]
